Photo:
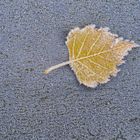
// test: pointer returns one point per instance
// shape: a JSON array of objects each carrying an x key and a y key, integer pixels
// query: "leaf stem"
[{"x": 56, "y": 67}]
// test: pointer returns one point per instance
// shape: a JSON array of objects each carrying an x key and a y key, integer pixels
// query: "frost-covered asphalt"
[{"x": 34, "y": 106}]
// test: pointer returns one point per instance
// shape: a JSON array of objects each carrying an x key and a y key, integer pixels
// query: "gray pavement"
[{"x": 34, "y": 106}]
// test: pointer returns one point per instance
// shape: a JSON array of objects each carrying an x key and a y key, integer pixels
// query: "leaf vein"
[
  {"x": 94, "y": 43},
  {"x": 81, "y": 47},
  {"x": 91, "y": 70},
  {"x": 101, "y": 66}
]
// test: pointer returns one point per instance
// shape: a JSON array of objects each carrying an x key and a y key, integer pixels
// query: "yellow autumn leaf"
[{"x": 94, "y": 54}]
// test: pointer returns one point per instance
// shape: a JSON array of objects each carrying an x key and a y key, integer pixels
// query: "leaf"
[{"x": 94, "y": 54}]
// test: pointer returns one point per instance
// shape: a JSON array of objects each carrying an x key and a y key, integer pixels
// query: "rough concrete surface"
[{"x": 34, "y": 106}]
